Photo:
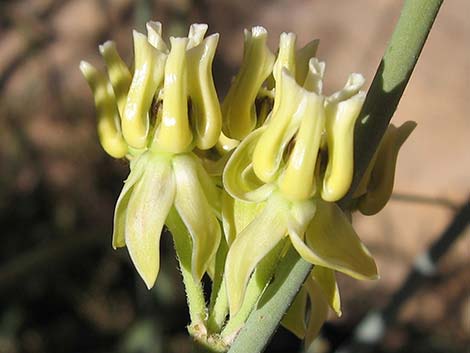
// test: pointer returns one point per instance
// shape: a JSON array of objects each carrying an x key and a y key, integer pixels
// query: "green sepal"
[
  {"x": 148, "y": 206},
  {"x": 330, "y": 241},
  {"x": 195, "y": 211},
  {"x": 251, "y": 245}
]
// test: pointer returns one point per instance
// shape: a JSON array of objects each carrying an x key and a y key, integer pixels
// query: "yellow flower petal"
[
  {"x": 109, "y": 131},
  {"x": 297, "y": 182},
  {"x": 331, "y": 242},
  {"x": 118, "y": 72},
  {"x": 286, "y": 56},
  {"x": 148, "y": 75},
  {"x": 251, "y": 245},
  {"x": 239, "y": 178},
  {"x": 205, "y": 108},
  {"x": 238, "y": 108},
  {"x": 195, "y": 211},
  {"x": 174, "y": 132},
  {"x": 281, "y": 128},
  {"x": 147, "y": 210},
  {"x": 342, "y": 110}
]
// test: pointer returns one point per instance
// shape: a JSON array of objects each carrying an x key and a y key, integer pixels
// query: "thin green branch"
[
  {"x": 382, "y": 100},
  {"x": 390, "y": 80},
  {"x": 194, "y": 291},
  {"x": 263, "y": 321}
]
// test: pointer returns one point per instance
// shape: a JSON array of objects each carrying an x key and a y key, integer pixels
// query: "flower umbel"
[
  {"x": 165, "y": 173},
  {"x": 268, "y": 164}
]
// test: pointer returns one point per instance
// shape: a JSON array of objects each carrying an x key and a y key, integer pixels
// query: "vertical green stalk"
[
  {"x": 390, "y": 80},
  {"x": 218, "y": 308},
  {"x": 194, "y": 291},
  {"x": 257, "y": 284},
  {"x": 274, "y": 302},
  {"x": 395, "y": 70}
]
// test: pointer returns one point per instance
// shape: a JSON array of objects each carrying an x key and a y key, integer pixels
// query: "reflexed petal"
[
  {"x": 251, "y": 245},
  {"x": 380, "y": 186},
  {"x": 332, "y": 242},
  {"x": 239, "y": 164},
  {"x": 294, "y": 319},
  {"x": 326, "y": 279},
  {"x": 236, "y": 215},
  {"x": 195, "y": 211},
  {"x": 318, "y": 310},
  {"x": 147, "y": 210},
  {"x": 137, "y": 170}
]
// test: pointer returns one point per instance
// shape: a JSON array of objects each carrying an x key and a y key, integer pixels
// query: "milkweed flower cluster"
[{"x": 246, "y": 178}]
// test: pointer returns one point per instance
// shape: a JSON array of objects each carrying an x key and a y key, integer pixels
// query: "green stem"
[
  {"x": 218, "y": 308},
  {"x": 255, "y": 288},
  {"x": 263, "y": 321},
  {"x": 390, "y": 80},
  {"x": 382, "y": 100},
  {"x": 194, "y": 291}
]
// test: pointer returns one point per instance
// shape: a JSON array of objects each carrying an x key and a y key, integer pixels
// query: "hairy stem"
[{"x": 194, "y": 291}]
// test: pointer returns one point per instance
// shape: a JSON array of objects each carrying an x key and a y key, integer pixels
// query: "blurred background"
[{"x": 63, "y": 288}]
